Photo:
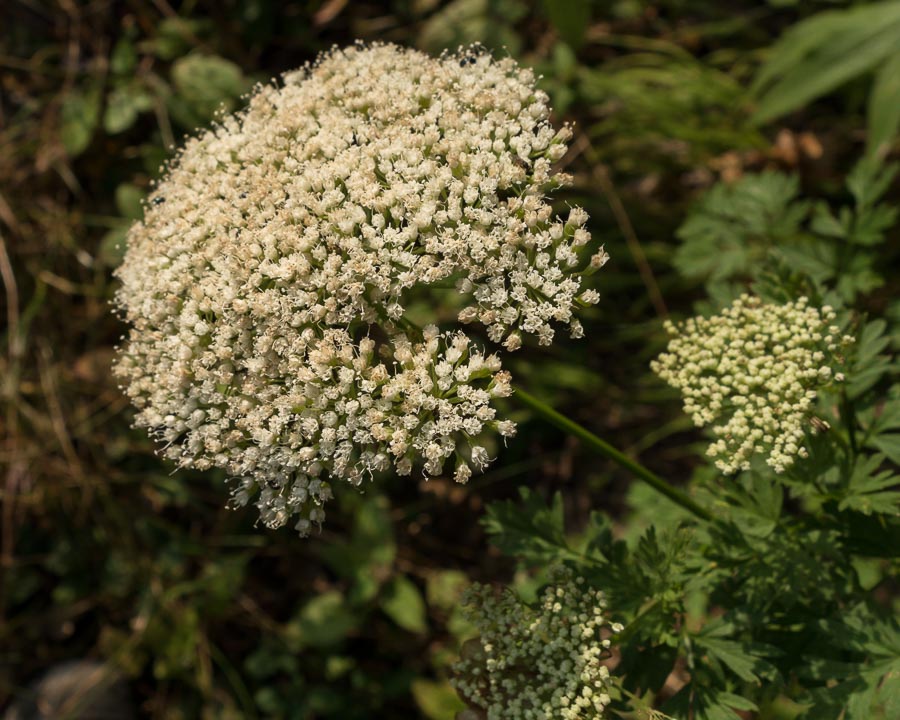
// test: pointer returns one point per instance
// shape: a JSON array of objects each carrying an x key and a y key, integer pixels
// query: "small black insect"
[{"x": 158, "y": 200}]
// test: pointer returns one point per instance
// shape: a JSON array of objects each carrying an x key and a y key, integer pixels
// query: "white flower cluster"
[
  {"x": 543, "y": 663},
  {"x": 267, "y": 285},
  {"x": 752, "y": 372}
]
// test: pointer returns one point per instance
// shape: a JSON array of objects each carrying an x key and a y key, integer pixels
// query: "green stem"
[
  {"x": 604, "y": 448},
  {"x": 849, "y": 418}
]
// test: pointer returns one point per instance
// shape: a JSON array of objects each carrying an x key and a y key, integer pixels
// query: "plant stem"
[
  {"x": 604, "y": 448},
  {"x": 849, "y": 418}
]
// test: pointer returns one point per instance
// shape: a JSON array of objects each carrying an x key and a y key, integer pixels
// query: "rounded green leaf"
[{"x": 403, "y": 603}]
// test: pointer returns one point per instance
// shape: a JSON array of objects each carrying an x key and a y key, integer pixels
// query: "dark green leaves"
[
  {"x": 872, "y": 490},
  {"x": 659, "y": 106},
  {"x": 705, "y": 703},
  {"x": 743, "y": 659},
  {"x": 532, "y": 531},
  {"x": 868, "y": 685},
  {"x": 882, "y": 425},
  {"x": 869, "y": 364}
]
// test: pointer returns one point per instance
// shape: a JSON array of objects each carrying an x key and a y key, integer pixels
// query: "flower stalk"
[{"x": 604, "y": 448}]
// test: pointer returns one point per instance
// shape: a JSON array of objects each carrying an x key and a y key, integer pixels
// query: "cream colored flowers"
[
  {"x": 753, "y": 372},
  {"x": 268, "y": 283},
  {"x": 543, "y": 663}
]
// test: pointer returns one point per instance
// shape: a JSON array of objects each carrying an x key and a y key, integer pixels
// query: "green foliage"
[
  {"x": 78, "y": 119},
  {"x": 868, "y": 685},
  {"x": 733, "y": 227},
  {"x": 571, "y": 20},
  {"x": 870, "y": 490},
  {"x": 659, "y": 106},
  {"x": 204, "y": 84},
  {"x": 772, "y": 580},
  {"x": 884, "y": 107},
  {"x": 533, "y": 532},
  {"x": 403, "y": 603},
  {"x": 463, "y": 22},
  {"x": 770, "y": 604},
  {"x": 761, "y": 226},
  {"x": 321, "y": 622},
  {"x": 822, "y": 53},
  {"x": 436, "y": 700},
  {"x": 125, "y": 103}
]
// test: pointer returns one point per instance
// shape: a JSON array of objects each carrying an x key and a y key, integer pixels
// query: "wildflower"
[
  {"x": 267, "y": 295},
  {"x": 542, "y": 662},
  {"x": 753, "y": 372}
]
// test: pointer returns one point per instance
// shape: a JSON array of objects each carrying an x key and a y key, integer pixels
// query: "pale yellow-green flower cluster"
[
  {"x": 752, "y": 372},
  {"x": 268, "y": 283},
  {"x": 537, "y": 663}
]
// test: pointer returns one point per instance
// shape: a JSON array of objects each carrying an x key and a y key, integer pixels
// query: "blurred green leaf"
[
  {"x": 325, "y": 620},
  {"x": 884, "y": 108},
  {"x": 366, "y": 558},
  {"x": 701, "y": 702},
  {"x": 889, "y": 444},
  {"x": 174, "y": 638},
  {"x": 204, "y": 84},
  {"x": 571, "y": 19},
  {"x": 222, "y": 581},
  {"x": 79, "y": 116},
  {"x": 869, "y": 687},
  {"x": 129, "y": 199},
  {"x": 270, "y": 658},
  {"x": 123, "y": 106},
  {"x": 659, "y": 106},
  {"x": 464, "y": 22},
  {"x": 444, "y": 587},
  {"x": 124, "y": 57},
  {"x": 403, "y": 603},
  {"x": 744, "y": 660},
  {"x": 112, "y": 245},
  {"x": 819, "y": 54},
  {"x": 757, "y": 504},
  {"x": 175, "y": 36},
  {"x": 868, "y": 361},
  {"x": 436, "y": 700}
]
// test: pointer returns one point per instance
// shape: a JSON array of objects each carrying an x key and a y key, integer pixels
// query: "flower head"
[
  {"x": 537, "y": 662},
  {"x": 753, "y": 372},
  {"x": 268, "y": 282}
]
